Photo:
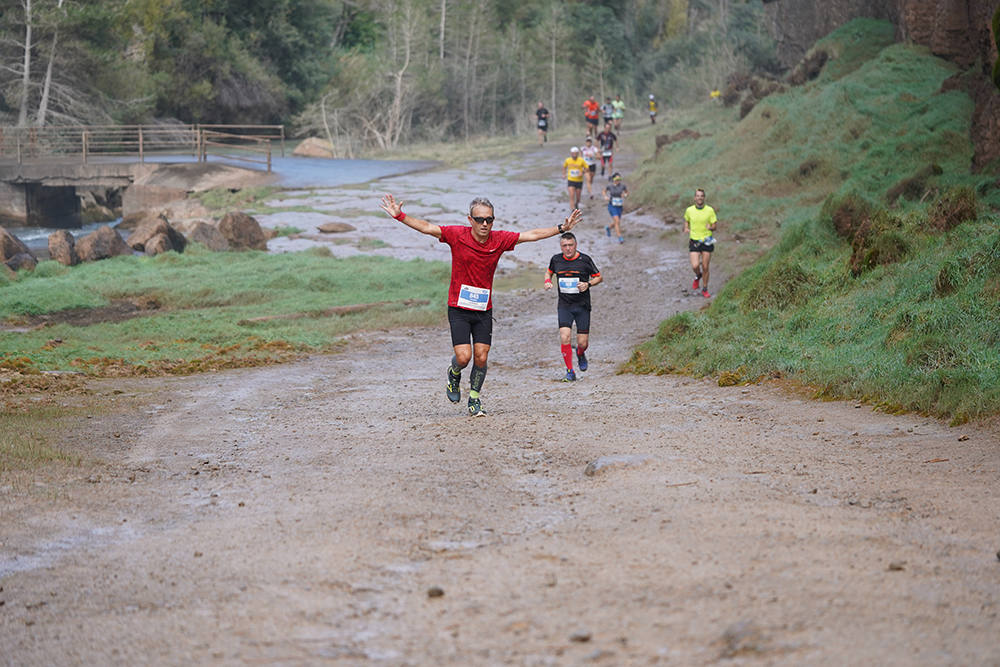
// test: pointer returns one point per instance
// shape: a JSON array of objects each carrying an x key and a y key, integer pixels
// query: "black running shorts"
[
  {"x": 578, "y": 312},
  {"x": 475, "y": 324}
]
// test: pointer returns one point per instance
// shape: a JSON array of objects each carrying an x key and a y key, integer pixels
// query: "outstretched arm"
[
  {"x": 395, "y": 210},
  {"x": 548, "y": 232}
]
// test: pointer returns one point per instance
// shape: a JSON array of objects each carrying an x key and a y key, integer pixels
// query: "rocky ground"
[{"x": 340, "y": 510}]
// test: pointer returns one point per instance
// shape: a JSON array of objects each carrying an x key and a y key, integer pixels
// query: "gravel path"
[{"x": 341, "y": 511}]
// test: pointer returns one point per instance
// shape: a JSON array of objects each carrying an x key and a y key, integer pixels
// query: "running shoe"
[
  {"x": 452, "y": 391},
  {"x": 621, "y": 239},
  {"x": 694, "y": 285},
  {"x": 570, "y": 376},
  {"x": 705, "y": 294},
  {"x": 607, "y": 230},
  {"x": 476, "y": 408},
  {"x": 581, "y": 360}
]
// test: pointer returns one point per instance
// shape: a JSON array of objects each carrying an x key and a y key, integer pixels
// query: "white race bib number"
[
  {"x": 606, "y": 153},
  {"x": 473, "y": 298},
  {"x": 574, "y": 173},
  {"x": 569, "y": 285},
  {"x": 617, "y": 201}
]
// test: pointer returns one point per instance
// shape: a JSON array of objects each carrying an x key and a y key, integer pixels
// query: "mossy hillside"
[
  {"x": 861, "y": 127},
  {"x": 883, "y": 281},
  {"x": 204, "y": 309}
]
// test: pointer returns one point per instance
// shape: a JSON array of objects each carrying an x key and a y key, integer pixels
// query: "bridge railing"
[{"x": 247, "y": 143}]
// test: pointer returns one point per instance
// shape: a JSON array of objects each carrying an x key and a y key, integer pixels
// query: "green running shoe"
[
  {"x": 476, "y": 408},
  {"x": 453, "y": 390}
]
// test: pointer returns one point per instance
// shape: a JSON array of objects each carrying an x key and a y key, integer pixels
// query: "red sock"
[{"x": 567, "y": 353}]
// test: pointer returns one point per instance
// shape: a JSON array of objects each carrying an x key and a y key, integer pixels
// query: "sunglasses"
[{"x": 487, "y": 220}]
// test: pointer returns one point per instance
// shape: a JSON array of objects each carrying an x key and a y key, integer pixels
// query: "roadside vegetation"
[
  {"x": 196, "y": 311},
  {"x": 873, "y": 251}
]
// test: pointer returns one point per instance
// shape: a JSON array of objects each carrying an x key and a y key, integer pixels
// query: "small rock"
[
  {"x": 897, "y": 566},
  {"x": 198, "y": 554},
  {"x": 963, "y": 438},
  {"x": 335, "y": 227},
  {"x": 615, "y": 461},
  {"x": 94, "y": 479},
  {"x": 435, "y": 592},
  {"x": 580, "y": 636}
]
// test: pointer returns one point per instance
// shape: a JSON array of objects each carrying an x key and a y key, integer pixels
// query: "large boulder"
[
  {"x": 199, "y": 231},
  {"x": 11, "y": 246},
  {"x": 22, "y": 260},
  {"x": 242, "y": 232},
  {"x": 314, "y": 147},
  {"x": 62, "y": 248},
  {"x": 153, "y": 227},
  {"x": 102, "y": 243}
]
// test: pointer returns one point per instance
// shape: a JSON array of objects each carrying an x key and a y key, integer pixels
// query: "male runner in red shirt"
[{"x": 475, "y": 253}]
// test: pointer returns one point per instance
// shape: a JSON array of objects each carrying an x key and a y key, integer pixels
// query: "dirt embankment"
[{"x": 342, "y": 511}]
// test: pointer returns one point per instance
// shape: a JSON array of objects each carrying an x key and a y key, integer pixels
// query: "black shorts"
[
  {"x": 575, "y": 184},
  {"x": 592, "y": 121},
  {"x": 579, "y": 312},
  {"x": 592, "y": 168},
  {"x": 698, "y": 246},
  {"x": 475, "y": 324}
]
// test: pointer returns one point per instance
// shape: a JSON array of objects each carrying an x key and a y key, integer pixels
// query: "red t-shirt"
[
  {"x": 590, "y": 108},
  {"x": 473, "y": 265}
]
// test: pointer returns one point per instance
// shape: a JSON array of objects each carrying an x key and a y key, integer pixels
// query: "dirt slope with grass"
[{"x": 341, "y": 511}]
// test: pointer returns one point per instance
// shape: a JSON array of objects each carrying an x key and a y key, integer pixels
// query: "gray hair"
[{"x": 481, "y": 201}]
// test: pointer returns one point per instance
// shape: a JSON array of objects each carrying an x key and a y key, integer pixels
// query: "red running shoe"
[
  {"x": 694, "y": 285},
  {"x": 705, "y": 294}
]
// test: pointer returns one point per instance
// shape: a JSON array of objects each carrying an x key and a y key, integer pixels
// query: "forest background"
[{"x": 368, "y": 74}]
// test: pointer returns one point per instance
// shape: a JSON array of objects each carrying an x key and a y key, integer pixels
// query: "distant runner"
[
  {"x": 615, "y": 194},
  {"x": 475, "y": 253},
  {"x": 607, "y": 140},
  {"x": 652, "y": 110},
  {"x": 574, "y": 168},
  {"x": 608, "y": 110},
  {"x": 699, "y": 223},
  {"x": 589, "y": 153},
  {"x": 619, "y": 113},
  {"x": 575, "y": 274},
  {"x": 591, "y": 115},
  {"x": 543, "y": 123}
]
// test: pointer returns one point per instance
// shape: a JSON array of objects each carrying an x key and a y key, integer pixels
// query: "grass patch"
[
  {"x": 201, "y": 310},
  {"x": 25, "y": 440},
  {"x": 881, "y": 281}
]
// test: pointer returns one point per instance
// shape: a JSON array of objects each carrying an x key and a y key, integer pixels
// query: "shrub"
[
  {"x": 847, "y": 214},
  {"x": 954, "y": 207}
]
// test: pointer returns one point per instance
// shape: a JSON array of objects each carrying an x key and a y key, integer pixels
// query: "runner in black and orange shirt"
[
  {"x": 475, "y": 253},
  {"x": 575, "y": 274}
]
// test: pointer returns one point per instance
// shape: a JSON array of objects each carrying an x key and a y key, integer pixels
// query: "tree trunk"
[
  {"x": 43, "y": 105},
  {"x": 444, "y": 7},
  {"x": 22, "y": 116}
]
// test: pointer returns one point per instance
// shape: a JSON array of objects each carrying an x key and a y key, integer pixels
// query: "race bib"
[
  {"x": 607, "y": 152},
  {"x": 617, "y": 201},
  {"x": 574, "y": 173},
  {"x": 569, "y": 285},
  {"x": 473, "y": 298},
  {"x": 542, "y": 123},
  {"x": 708, "y": 240},
  {"x": 589, "y": 160}
]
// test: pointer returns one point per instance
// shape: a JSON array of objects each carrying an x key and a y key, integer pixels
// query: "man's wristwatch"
[{"x": 560, "y": 227}]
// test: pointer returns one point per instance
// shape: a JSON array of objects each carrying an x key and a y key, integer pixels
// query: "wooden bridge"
[
  {"x": 102, "y": 143},
  {"x": 42, "y": 167}
]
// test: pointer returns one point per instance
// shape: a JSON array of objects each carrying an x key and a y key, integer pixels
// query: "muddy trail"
[{"x": 340, "y": 510}]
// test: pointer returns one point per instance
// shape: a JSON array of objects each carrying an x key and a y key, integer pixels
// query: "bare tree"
[
  {"x": 22, "y": 114},
  {"x": 43, "y": 105}
]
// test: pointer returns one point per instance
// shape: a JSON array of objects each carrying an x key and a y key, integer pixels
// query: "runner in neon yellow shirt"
[
  {"x": 699, "y": 223},
  {"x": 574, "y": 168},
  {"x": 619, "y": 113}
]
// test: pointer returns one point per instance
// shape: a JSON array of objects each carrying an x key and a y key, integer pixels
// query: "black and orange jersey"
[{"x": 569, "y": 273}]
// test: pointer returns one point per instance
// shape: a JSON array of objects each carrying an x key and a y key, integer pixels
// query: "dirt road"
[{"x": 342, "y": 511}]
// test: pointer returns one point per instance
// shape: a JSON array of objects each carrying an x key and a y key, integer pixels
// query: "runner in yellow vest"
[
  {"x": 699, "y": 223},
  {"x": 574, "y": 168}
]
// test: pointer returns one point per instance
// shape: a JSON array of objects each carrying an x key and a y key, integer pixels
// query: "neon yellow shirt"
[
  {"x": 574, "y": 169},
  {"x": 699, "y": 219},
  {"x": 619, "y": 109}
]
